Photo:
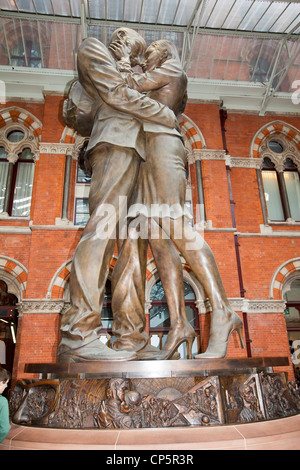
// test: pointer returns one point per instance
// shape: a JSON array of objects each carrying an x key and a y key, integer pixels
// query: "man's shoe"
[{"x": 95, "y": 351}]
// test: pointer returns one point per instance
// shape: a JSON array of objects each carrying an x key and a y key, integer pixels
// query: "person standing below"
[{"x": 4, "y": 410}]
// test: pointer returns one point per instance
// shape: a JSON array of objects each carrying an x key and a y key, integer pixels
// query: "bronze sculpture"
[
  {"x": 161, "y": 186},
  {"x": 116, "y": 136},
  {"x": 126, "y": 147}
]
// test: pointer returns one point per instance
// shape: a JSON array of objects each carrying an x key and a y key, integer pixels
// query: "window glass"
[
  {"x": 292, "y": 183},
  {"x": 293, "y": 295},
  {"x": 106, "y": 314},
  {"x": 272, "y": 195},
  {"x": 159, "y": 314},
  {"x": 81, "y": 211},
  {"x": 3, "y": 153},
  {"x": 83, "y": 176},
  {"x": 23, "y": 190},
  {"x": 15, "y": 136},
  {"x": 276, "y": 146},
  {"x": 32, "y": 55},
  {"x": 26, "y": 155},
  {"x": 3, "y": 179}
]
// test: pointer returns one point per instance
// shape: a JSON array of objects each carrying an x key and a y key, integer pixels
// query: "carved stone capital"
[
  {"x": 56, "y": 148},
  {"x": 12, "y": 157},
  {"x": 210, "y": 154},
  {"x": 236, "y": 162},
  {"x": 40, "y": 306}
]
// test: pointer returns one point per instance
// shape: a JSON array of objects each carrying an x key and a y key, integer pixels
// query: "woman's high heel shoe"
[
  {"x": 219, "y": 338},
  {"x": 177, "y": 336}
]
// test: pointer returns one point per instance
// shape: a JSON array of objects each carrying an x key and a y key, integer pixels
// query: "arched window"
[
  {"x": 281, "y": 182},
  {"x": 16, "y": 180},
  {"x": 28, "y": 56},
  {"x": 19, "y": 149}
]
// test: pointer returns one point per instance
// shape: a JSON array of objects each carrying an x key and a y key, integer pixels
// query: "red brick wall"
[{"x": 44, "y": 251}]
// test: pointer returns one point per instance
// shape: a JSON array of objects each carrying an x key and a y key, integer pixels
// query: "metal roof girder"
[
  {"x": 270, "y": 91},
  {"x": 200, "y": 7},
  {"x": 83, "y": 19}
]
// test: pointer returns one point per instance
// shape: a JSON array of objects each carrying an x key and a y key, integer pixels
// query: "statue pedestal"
[{"x": 154, "y": 394}]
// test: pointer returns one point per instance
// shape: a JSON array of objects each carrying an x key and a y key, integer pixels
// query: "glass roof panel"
[
  {"x": 7, "y": 5},
  {"x": 254, "y": 15},
  {"x": 176, "y": 12},
  {"x": 229, "y": 52},
  {"x": 250, "y": 15},
  {"x": 43, "y": 6},
  {"x": 216, "y": 12},
  {"x": 25, "y": 5},
  {"x": 115, "y": 10},
  {"x": 149, "y": 11},
  {"x": 184, "y": 10},
  {"x": 97, "y": 9},
  {"x": 61, "y": 8},
  {"x": 132, "y": 10}
]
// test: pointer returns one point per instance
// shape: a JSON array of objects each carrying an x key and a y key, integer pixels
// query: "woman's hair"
[
  {"x": 168, "y": 47},
  {"x": 4, "y": 375}
]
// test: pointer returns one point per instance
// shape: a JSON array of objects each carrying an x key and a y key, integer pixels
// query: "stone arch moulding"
[
  {"x": 70, "y": 138},
  {"x": 275, "y": 128},
  {"x": 192, "y": 136},
  {"x": 21, "y": 116},
  {"x": 18, "y": 118},
  {"x": 59, "y": 282},
  {"x": 281, "y": 275},
  {"x": 14, "y": 274}
]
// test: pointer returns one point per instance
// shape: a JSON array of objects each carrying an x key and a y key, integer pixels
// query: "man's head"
[
  {"x": 158, "y": 52},
  {"x": 4, "y": 379},
  {"x": 127, "y": 43}
]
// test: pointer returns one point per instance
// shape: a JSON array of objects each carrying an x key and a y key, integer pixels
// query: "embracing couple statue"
[{"x": 136, "y": 155}]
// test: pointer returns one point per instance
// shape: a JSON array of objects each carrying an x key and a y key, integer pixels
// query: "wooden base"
[{"x": 157, "y": 369}]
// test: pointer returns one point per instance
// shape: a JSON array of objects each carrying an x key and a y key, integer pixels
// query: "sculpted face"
[
  {"x": 152, "y": 58},
  {"x": 127, "y": 44}
]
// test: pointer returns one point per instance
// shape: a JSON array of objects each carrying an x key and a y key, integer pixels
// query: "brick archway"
[
  {"x": 21, "y": 116},
  {"x": 14, "y": 271},
  {"x": 192, "y": 134},
  {"x": 276, "y": 128},
  {"x": 281, "y": 275},
  {"x": 61, "y": 278}
]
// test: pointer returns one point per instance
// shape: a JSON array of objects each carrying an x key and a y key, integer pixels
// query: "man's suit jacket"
[{"x": 121, "y": 111}]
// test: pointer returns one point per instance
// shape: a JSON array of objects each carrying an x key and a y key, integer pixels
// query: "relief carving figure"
[
  {"x": 278, "y": 401},
  {"x": 250, "y": 411},
  {"x": 136, "y": 154}
]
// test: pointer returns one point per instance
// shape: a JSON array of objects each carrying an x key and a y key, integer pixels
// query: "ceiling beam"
[
  {"x": 147, "y": 26},
  {"x": 270, "y": 90}
]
